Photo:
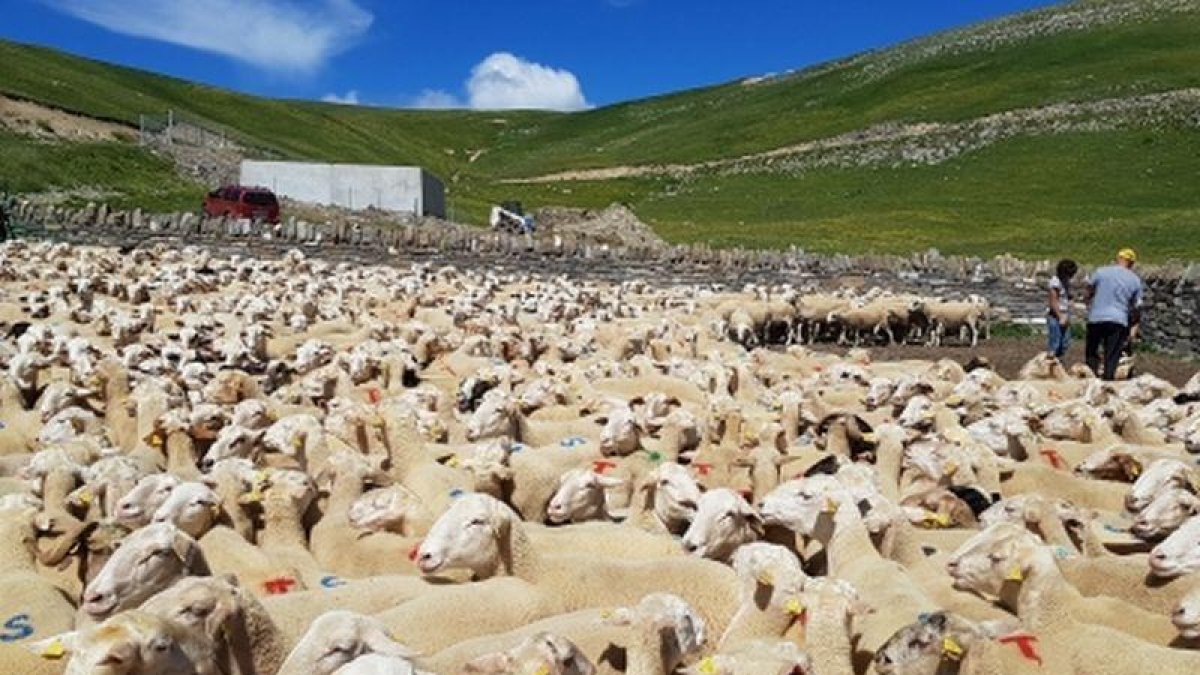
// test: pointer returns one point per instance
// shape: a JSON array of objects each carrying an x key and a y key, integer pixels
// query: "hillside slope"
[{"x": 1076, "y": 123}]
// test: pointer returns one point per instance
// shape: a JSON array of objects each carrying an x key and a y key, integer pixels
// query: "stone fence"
[{"x": 1017, "y": 286}]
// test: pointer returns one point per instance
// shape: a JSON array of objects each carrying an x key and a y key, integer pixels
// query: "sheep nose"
[
  {"x": 690, "y": 547},
  {"x": 94, "y": 597},
  {"x": 1158, "y": 555},
  {"x": 951, "y": 566},
  {"x": 1178, "y": 613},
  {"x": 206, "y": 464}
]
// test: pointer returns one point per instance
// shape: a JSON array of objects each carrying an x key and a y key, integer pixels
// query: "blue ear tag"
[
  {"x": 572, "y": 442},
  {"x": 517, "y": 447},
  {"x": 1112, "y": 528},
  {"x": 1061, "y": 552},
  {"x": 456, "y": 493},
  {"x": 331, "y": 581}
]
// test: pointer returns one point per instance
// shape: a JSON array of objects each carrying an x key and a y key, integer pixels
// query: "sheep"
[
  {"x": 480, "y": 534},
  {"x": 541, "y": 651},
  {"x": 337, "y": 638},
  {"x": 820, "y": 507},
  {"x": 723, "y": 522},
  {"x": 39, "y": 607},
  {"x": 134, "y": 642},
  {"x": 1027, "y": 571},
  {"x": 580, "y": 497},
  {"x": 148, "y": 561},
  {"x": 1028, "y": 591},
  {"x": 246, "y": 638}
]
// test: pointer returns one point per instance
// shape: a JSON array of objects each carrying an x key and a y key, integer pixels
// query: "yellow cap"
[{"x": 1128, "y": 254}]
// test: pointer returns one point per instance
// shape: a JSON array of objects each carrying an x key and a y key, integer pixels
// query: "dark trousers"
[{"x": 1110, "y": 337}]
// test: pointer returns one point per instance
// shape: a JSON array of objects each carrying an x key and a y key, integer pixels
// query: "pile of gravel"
[{"x": 615, "y": 225}]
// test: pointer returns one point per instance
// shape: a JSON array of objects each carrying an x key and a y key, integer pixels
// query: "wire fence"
[{"x": 174, "y": 128}]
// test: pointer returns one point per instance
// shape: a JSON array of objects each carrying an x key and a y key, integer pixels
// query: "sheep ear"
[
  {"x": 382, "y": 643},
  {"x": 184, "y": 547},
  {"x": 55, "y": 647}
]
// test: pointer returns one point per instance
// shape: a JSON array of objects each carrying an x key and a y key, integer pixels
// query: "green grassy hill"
[{"x": 1066, "y": 130}]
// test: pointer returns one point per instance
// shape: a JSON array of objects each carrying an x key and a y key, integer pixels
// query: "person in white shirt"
[{"x": 1058, "y": 308}]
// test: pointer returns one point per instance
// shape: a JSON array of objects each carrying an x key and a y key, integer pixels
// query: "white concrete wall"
[{"x": 354, "y": 186}]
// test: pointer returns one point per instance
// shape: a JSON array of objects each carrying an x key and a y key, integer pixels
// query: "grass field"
[{"x": 1033, "y": 195}]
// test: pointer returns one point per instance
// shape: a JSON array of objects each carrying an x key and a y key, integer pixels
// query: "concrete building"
[{"x": 406, "y": 189}]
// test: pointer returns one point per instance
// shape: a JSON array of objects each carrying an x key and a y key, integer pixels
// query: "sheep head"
[
  {"x": 338, "y": 637},
  {"x": 1158, "y": 476},
  {"x": 724, "y": 521},
  {"x": 1001, "y": 553},
  {"x": 131, "y": 642},
  {"x": 1179, "y": 553},
  {"x": 148, "y": 494},
  {"x": 580, "y": 496},
  {"x": 148, "y": 561},
  {"x": 472, "y": 534},
  {"x": 539, "y": 653},
  {"x": 192, "y": 507}
]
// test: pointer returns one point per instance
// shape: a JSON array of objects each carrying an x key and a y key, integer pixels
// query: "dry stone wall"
[{"x": 1015, "y": 286}]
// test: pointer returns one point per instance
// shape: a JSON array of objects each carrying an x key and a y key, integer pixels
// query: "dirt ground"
[
  {"x": 32, "y": 119},
  {"x": 1007, "y": 355}
]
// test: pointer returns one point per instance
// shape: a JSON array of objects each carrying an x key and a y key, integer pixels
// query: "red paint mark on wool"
[{"x": 1026, "y": 642}]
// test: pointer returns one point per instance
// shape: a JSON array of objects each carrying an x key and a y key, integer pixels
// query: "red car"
[{"x": 236, "y": 201}]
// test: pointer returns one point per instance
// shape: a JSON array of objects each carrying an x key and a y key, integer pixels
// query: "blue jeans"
[{"x": 1060, "y": 337}]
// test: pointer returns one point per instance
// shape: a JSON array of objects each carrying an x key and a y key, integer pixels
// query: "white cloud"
[
  {"x": 436, "y": 99},
  {"x": 351, "y": 98},
  {"x": 277, "y": 35},
  {"x": 503, "y": 81}
]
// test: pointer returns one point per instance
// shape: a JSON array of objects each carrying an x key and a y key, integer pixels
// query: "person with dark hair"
[
  {"x": 5, "y": 216},
  {"x": 1058, "y": 308},
  {"x": 1114, "y": 299}
]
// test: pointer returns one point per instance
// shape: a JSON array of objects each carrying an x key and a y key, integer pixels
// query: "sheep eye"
[{"x": 478, "y": 522}]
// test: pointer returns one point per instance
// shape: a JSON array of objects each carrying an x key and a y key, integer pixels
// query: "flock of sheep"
[{"x": 248, "y": 467}]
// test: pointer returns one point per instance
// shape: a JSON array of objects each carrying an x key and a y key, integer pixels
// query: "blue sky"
[{"x": 561, "y": 54}]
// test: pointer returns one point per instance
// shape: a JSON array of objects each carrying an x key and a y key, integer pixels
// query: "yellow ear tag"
[
  {"x": 830, "y": 506},
  {"x": 85, "y": 497},
  {"x": 765, "y": 578},
  {"x": 156, "y": 440},
  {"x": 794, "y": 607},
  {"x": 1015, "y": 574},
  {"x": 542, "y": 670},
  {"x": 54, "y": 650},
  {"x": 941, "y": 519},
  {"x": 1135, "y": 470},
  {"x": 453, "y": 462},
  {"x": 707, "y": 666},
  {"x": 951, "y": 649},
  {"x": 298, "y": 443},
  {"x": 949, "y": 469},
  {"x": 252, "y": 497},
  {"x": 870, "y": 437},
  {"x": 606, "y": 614}
]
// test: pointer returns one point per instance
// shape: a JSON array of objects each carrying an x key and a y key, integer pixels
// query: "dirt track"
[{"x": 1007, "y": 355}]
